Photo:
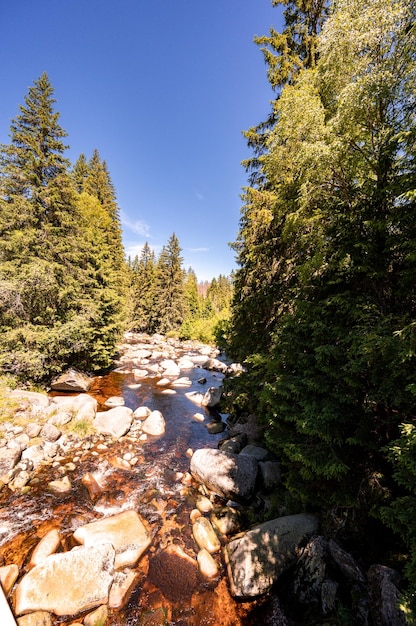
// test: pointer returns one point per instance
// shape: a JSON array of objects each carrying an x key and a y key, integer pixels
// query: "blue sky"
[{"x": 163, "y": 89}]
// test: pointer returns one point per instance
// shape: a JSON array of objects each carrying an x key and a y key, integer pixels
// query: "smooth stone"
[
  {"x": 125, "y": 531},
  {"x": 207, "y": 564},
  {"x": 154, "y": 424},
  {"x": 204, "y": 504},
  {"x": 47, "y": 546},
  {"x": 76, "y": 581},
  {"x": 212, "y": 397},
  {"x": 8, "y": 459},
  {"x": 115, "y": 422},
  {"x": 215, "y": 427},
  {"x": 142, "y": 412},
  {"x": 60, "y": 486},
  {"x": 39, "y": 618},
  {"x": 227, "y": 520},
  {"x": 114, "y": 401},
  {"x": 50, "y": 433},
  {"x": 205, "y": 535},
  {"x": 259, "y": 453},
  {"x": 8, "y": 576}
]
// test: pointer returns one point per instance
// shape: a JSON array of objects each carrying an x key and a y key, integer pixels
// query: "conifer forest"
[{"x": 322, "y": 307}]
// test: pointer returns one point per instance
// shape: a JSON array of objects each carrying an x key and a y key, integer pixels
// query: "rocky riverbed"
[{"x": 138, "y": 502}]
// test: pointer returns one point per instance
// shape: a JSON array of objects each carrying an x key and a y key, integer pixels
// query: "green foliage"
[
  {"x": 324, "y": 305},
  {"x": 62, "y": 269}
]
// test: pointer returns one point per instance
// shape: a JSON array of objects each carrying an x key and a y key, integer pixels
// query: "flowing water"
[{"x": 168, "y": 588}]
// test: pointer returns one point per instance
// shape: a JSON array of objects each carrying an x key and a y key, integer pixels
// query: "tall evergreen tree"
[
  {"x": 143, "y": 289},
  {"x": 170, "y": 306}
]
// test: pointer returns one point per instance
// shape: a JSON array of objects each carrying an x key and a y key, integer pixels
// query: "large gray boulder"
[
  {"x": 229, "y": 475},
  {"x": 68, "y": 583},
  {"x": 257, "y": 559},
  {"x": 71, "y": 380},
  {"x": 115, "y": 422}
]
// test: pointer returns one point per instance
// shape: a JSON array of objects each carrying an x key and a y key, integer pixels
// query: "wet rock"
[
  {"x": 50, "y": 432},
  {"x": 185, "y": 363},
  {"x": 205, "y": 535},
  {"x": 154, "y": 424},
  {"x": 195, "y": 396},
  {"x": 71, "y": 381},
  {"x": 257, "y": 559},
  {"x": 60, "y": 486},
  {"x": 8, "y": 576},
  {"x": 40, "y": 618},
  {"x": 68, "y": 583},
  {"x": 122, "y": 587},
  {"x": 142, "y": 412},
  {"x": 175, "y": 573},
  {"x": 227, "y": 520},
  {"x": 215, "y": 427},
  {"x": 207, "y": 564},
  {"x": 229, "y": 475},
  {"x": 204, "y": 504},
  {"x": 47, "y": 546},
  {"x": 140, "y": 373},
  {"x": 383, "y": 583},
  {"x": 114, "y": 401},
  {"x": 93, "y": 486},
  {"x": 182, "y": 382},
  {"x": 115, "y": 422},
  {"x": 170, "y": 368},
  {"x": 125, "y": 531},
  {"x": 20, "y": 480},
  {"x": 215, "y": 365},
  {"x": 212, "y": 397}
]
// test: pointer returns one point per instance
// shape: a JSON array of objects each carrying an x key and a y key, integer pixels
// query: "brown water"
[{"x": 168, "y": 590}]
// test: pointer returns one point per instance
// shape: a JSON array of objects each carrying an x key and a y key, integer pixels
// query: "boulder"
[
  {"x": 229, "y": 475},
  {"x": 212, "y": 397},
  {"x": 125, "y": 531},
  {"x": 383, "y": 589},
  {"x": 8, "y": 576},
  {"x": 270, "y": 475},
  {"x": 205, "y": 535},
  {"x": 8, "y": 459},
  {"x": 154, "y": 424},
  {"x": 82, "y": 406},
  {"x": 257, "y": 559},
  {"x": 259, "y": 453},
  {"x": 46, "y": 546},
  {"x": 215, "y": 365},
  {"x": 75, "y": 581},
  {"x": 71, "y": 380},
  {"x": 115, "y": 422},
  {"x": 50, "y": 433}
]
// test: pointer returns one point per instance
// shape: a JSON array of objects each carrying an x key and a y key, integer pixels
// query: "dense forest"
[
  {"x": 66, "y": 290},
  {"x": 324, "y": 306}
]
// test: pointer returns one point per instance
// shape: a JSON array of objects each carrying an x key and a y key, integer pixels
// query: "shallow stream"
[{"x": 168, "y": 590}]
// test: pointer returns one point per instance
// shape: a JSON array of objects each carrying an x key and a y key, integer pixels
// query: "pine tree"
[
  {"x": 143, "y": 290},
  {"x": 170, "y": 305}
]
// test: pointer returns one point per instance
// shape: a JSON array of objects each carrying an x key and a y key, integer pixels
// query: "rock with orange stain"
[
  {"x": 125, "y": 531},
  {"x": 93, "y": 486},
  {"x": 68, "y": 583},
  {"x": 8, "y": 576},
  {"x": 122, "y": 587},
  {"x": 97, "y": 617},
  {"x": 46, "y": 546}
]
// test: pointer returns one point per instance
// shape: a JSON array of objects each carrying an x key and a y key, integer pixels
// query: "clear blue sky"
[{"x": 163, "y": 89}]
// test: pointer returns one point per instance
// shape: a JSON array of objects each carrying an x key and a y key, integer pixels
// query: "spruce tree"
[
  {"x": 143, "y": 290},
  {"x": 170, "y": 305}
]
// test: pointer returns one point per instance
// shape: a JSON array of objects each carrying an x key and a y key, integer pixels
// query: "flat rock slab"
[
  {"x": 71, "y": 381},
  {"x": 231, "y": 476},
  {"x": 257, "y": 559},
  {"x": 68, "y": 583},
  {"x": 125, "y": 531},
  {"x": 115, "y": 422}
]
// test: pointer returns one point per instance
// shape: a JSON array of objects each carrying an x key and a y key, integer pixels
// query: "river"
[{"x": 167, "y": 591}]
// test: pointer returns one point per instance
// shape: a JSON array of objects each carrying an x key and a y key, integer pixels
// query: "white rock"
[{"x": 154, "y": 424}]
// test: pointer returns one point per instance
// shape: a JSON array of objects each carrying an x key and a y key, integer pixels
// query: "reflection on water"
[{"x": 168, "y": 588}]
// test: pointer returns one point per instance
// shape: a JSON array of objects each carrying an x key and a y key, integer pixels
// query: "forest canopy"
[{"x": 327, "y": 259}]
